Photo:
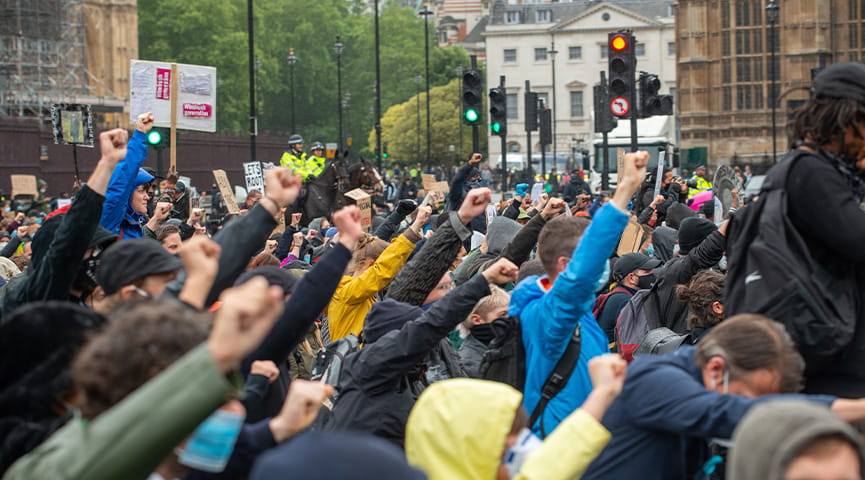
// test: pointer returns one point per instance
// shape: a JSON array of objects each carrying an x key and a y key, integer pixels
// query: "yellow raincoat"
[
  {"x": 458, "y": 428},
  {"x": 355, "y": 295}
]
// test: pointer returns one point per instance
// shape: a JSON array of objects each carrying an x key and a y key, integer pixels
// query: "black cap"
[
  {"x": 842, "y": 80},
  {"x": 274, "y": 276},
  {"x": 633, "y": 261},
  {"x": 692, "y": 232},
  {"x": 127, "y": 261}
]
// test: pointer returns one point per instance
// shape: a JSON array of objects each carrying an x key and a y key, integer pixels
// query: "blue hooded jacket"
[
  {"x": 550, "y": 314},
  {"x": 127, "y": 176}
]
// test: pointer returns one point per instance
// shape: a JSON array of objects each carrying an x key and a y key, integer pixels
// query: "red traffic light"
[{"x": 619, "y": 43}]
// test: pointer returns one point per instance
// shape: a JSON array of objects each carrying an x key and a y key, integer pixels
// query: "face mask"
[
  {"x": 484, "y": 332},
  {"x": 645, "y": 282},
  {"x": 604, "y": 278},
  {"x": 307, "y": 258},
  {"x": 211, "y": 444},
  {"x": 86, "y": 278},
  {"x": 526, "y": 443},
  {"x": 650, "y": 250}
]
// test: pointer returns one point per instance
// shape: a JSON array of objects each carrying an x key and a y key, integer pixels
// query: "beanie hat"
[
  {"x": 692, "y": 232},
  {"x": 274, "y": 276},
  {"x": 842, "y": 80},
  {"x": 677, "y": 213}
]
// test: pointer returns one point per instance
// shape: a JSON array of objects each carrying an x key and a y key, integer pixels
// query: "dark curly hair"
[
  {"x": 823, "y": 120},
  {"x": 705, "y": 288},
  {"x": 143, "y": 339}
]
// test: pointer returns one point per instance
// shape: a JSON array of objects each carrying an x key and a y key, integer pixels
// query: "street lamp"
[
  {"x": 460, "y": 71},
  {"x": 772, "y": 18},
  {"x": 552, "y": 53},
  {"x": 426, "y": 13},
  {"x": 417, "y": 80},
  {"x": 346, "y": 105},
  {"x": 337, "y": 49},
  {"x": 291, "y": 61}
]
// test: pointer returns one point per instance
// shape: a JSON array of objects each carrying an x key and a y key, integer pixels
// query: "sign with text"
[
  {"x": 194, "y": 97},
  {"x": 24, "y": 185},
  {"x": 225, "y": 189},
  {"x": 364, "y": 203},
  {"x": 72, "y": 124},
  {"x": 254, "y": 176}
]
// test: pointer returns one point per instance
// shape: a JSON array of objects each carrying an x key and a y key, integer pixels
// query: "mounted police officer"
[
  {"x": 307, "y": 167},
  {"x": 317, "y": 157}
]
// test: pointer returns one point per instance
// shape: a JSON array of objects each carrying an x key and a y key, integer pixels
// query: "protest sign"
[
  {"x": 254, "y": 176},
  {"x": 153, "y": 85},
  {"x": 631, "y": 240},
  {"x": 225, "y": 189},
  {"x": 24, "y": 185},
  {"x": 364, "y": 203},
  {"x": 427, "y": 180}
]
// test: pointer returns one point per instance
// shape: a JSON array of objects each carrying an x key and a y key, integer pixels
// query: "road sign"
[{"x": 620, "y": 106}]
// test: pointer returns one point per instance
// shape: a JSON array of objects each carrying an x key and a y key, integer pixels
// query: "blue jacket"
[
  {"x": 550, "y": 315},
  {"x": 664, "y": 417},
  {"x": 116, "y": 213}
]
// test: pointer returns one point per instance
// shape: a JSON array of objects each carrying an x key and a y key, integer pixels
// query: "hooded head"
[
  {"x": 664, "y": 240},
  {"x": 140, "y": 195},
  {"x": 386, "y": 316},
  {"x": 692, "y": 232},
  {"x": 458, "y": 428},
  {"x": 500, "y": 232},
  {"x": 774, "y": 434}
]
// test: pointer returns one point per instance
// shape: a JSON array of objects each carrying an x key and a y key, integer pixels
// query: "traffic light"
[
  {"x": 531, "y": 104},
  {"x": 472, "y": 97},
  {"x": 605, "y": 121},
  {"x": 545, "y": 118},
  {"x": 651, "y": 103},
  {"x": 498, "y": 112},
  {"x": 158, "y": 138},
  {"x": 384, "y": 150},
  {"x": 622, "y": 69}
]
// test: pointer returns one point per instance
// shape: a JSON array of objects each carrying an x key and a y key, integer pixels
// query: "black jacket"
[
  {"x": 57, "y": 252},
  {"x": 375, "y": 394},
  {"x": 679, "y": 271},
  {"x": 575, "y": 187}
]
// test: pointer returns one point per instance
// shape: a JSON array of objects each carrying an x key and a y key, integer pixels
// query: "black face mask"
[
  {"x": 85, "y": 280},
  {"x": 645, "y": 282},
  {"x": 484, "y": 332}
]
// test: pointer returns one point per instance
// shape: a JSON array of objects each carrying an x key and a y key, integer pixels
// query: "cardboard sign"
[
  {"x": 427, "y": 180},
  {"x": 620, "y": 167},
  {"x": 254, "y": 176},
  {"x": 154, "y": 86},
  {"x": 225, "y": 189},
  {"x": 632, "y": 239},
  {"x": 442, "y": 187},
  {"x": 364, "y": 203},
  {"x": 24, "y": 185}
]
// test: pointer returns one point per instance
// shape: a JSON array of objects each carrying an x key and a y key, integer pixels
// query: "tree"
[{"x": 399, "y": 128}]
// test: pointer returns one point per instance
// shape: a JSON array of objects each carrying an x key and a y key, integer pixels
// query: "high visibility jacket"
[
  {"x": 702, "y": 186},
  {"x": 306, "y": 166}
]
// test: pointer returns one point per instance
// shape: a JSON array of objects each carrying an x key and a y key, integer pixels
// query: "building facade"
[
  {"x": 725, "y": 72},
  {"x": 560, "y": 49}
]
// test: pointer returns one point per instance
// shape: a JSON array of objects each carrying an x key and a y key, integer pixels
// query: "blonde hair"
[
  {"x": 496, "y": 299},
  {"x": 368, "y": 247}
]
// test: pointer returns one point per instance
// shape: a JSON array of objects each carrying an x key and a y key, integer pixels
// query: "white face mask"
[{"x": 526, "y": 443}]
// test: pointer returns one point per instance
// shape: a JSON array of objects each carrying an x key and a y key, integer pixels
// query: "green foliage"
[
  {"x": 408, "y": 146},
  {"x": 213, "y": 32}
]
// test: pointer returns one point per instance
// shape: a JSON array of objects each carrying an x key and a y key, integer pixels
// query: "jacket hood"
[
  {"x": 664, "y": 240},
  {"x": 458, "y": 428},
  {"x": 45, "y": 235},
  {"x": 526, "y": 292},
  {"x": 386, "y": 316},
  {"x": 500, "y": 232},
  {"x": 773, "y": 433},
  {"x": 315, "y": 224}
]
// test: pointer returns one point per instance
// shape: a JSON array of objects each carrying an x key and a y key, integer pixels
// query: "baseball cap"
[
  {"x": 124, "y": 262},
  {"x": 634, "y": 261}
]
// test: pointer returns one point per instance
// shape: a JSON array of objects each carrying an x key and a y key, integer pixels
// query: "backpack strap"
[{"x": 558, "y": 378}]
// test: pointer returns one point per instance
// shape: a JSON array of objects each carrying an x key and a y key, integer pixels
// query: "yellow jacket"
[
  {"x": 458, "y": 428},
  {"x": 702, "y": 186},
  {"x": 355, "y": 295}
]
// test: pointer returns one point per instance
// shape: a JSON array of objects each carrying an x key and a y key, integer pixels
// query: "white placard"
[
  {"x": 150, "y": 91},
  {"x": 254, "y": 177}
]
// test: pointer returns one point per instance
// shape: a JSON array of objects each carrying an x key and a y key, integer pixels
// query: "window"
[
  {"x": 726, "y": 75},
  {"x": 725, "y": 14},
  {"x": 511, "y": 101},
  {"x": 640, "y": 50},
  {"x": 575, "y": 53},
  {"x": 604, "y": 51},
  {"x": 671, "y": 48},
  {"x": 510, "y": 55},
  {"x": 727, "y": 98},
  {"x": 545, "y": 98},
  {"x": 725, "y": 44},
  {"x": 540, "y": 54},
  {"x": 513, "y": 147},
  {"x": 512, "y": 18},
  {"x": 543, "y": 16},
  {"x": 576, "y": 104},
  {"x": 444, "y": 37}
]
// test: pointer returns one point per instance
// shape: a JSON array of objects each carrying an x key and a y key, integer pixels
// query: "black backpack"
[
  {"x": 771, "y": 271},
  {"x": 505, "y": 362},
  {"x": 327, "y": 367}
]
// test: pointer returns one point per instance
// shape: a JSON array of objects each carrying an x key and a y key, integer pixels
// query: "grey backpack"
[{"x": 661, "y": 340}]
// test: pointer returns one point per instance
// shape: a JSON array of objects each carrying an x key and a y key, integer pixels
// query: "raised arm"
[{"x": 122, "y": 182}]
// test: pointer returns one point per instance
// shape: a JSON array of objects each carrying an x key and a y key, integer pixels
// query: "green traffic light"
[
  {"x": 154, "y": 137},
  {"x": 496, "y": 127},
  {"x": 471, "y": 115}
]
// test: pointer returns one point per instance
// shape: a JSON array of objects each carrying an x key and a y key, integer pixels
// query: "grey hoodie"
[{"x": 772, "y": 434}]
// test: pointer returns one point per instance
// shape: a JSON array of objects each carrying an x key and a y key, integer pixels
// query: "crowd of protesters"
[{"x": 140, "y": 340}]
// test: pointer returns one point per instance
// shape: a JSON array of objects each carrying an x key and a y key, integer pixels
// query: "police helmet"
[
  {"x": 295, "y": 139},
  {"x": 317, "y": 146}
]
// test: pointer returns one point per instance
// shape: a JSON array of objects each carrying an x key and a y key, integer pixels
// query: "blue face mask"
[
  {"x": 307, "y": 258},
  {"x": 211, "y": 444},
  {"x": 604, "y": 278},
  {"x": 650, "y": 250}
]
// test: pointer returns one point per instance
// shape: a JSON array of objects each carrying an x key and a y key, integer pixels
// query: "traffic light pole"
[
  {"x": 529, "y": 138},
  {"x": 504, "y": 138},
  {"x": 605, "y": 167},
  {"x": 476, "y": 140}
]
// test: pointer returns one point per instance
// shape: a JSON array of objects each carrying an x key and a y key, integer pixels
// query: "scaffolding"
[{"x": 43, "y": 57}]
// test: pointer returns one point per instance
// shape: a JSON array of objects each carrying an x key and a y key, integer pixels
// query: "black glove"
[{"x": 405, "y": 207}]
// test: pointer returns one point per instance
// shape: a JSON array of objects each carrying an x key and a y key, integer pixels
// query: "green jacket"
[{"x": 132, "y": 438}]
